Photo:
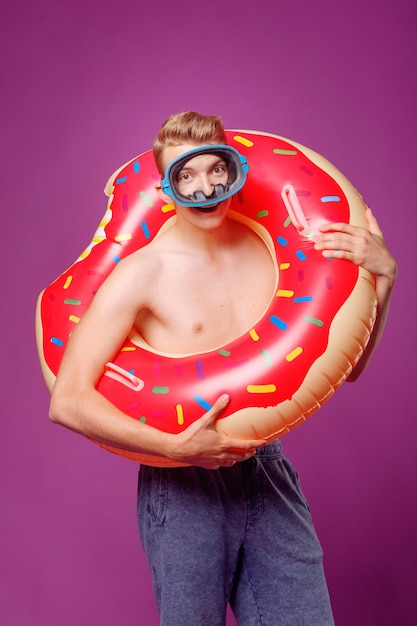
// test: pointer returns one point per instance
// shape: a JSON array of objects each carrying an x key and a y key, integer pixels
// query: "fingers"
[{"x": 217, "y": 408}]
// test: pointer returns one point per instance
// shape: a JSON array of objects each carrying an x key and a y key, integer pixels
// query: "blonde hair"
[{"x": 188, "y": 128}]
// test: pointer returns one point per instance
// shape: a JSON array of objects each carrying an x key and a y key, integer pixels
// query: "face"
[{"x": 200, "y": 174}]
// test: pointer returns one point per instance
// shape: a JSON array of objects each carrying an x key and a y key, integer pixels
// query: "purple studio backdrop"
[{"x": 85, "y": 86}]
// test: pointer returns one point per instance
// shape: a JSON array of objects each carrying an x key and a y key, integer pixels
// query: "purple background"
[{"x": 85, "y": 86}]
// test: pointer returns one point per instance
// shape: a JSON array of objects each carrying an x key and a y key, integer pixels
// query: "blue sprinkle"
[
  {"x": 282, "y": 241},
  {"x": 303, "y": 299},
  {"x": 116, "y": 259},
  {"x": 57, "y": 342},
  {"x": 200, "y": 370},
  {"x": 300, "y": 255},
  {"x": 330, "y": 199},
  {"x": 122, "y": 179},
  {"x": 203, "y": 403},
  {"x": 278, "y": 322},
  {"x": 136, "y": 167},
  {"x": 146, "y": 230}
]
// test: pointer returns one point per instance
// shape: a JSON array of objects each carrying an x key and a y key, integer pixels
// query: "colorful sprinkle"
[
  {"x": 303, "y": 299},
  {"x": 160, "y": 390},
  {"x": 285, "y": 293},
  {"x": 136, "y": 167},
  {"x": 314, "y": 320},
  {"x": 282, "y": 241},
  {"x": 57, "y": 342},
  {"x": 245, "y": 142},
  {"x": 287, "y": 222},
  {"x": 120, "y": 180},
  {"x": 263, "y": 213},
  {"x": 267, "y": 357},
  {"x": 74, "y": 318},
  {"x": 284, "y": 266},
  {"x": 125, "y": 206},
  {"x": 68, "y": 282},
  {"x": 276, "y": 321},
  {"x": 284, "y": 152},
  {"x": 261, "y": 388},
  {"x": 293, "y": 354},
  {"x": 329, "y": 282},
  {"x": 125, "y": 237},
  {"x": 116, "y": 258},
  {"x": 142, "y": 419},
  {"x": 145, "y": 230},
  {"x": 224, "y": 352},
  {"x": 203, "y": 403},
  {"x": 300, "y": 255},
  {"x": 199, "y": 366},
  {"x": 167, "y": 208},
  {"x": 74, "y": 302},
  {"x": 147, "y": 199},
  {"x": 253, "y": 335},
  {"x": 300, "y": 275},
  {"x": 180, "y": 414},
  {"x": 128, "y": 349},
  {"x": 330, "y": 199},
  {"x": 307, "y": 170}
]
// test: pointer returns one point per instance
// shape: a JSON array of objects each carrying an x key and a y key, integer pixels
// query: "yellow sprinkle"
[
  {"x": 261, "y": 388},
  {"x": 97, "y": 239},
  {"x": 167, "y": 208},
  {"x": 125, "y": 237},
  {"x": 284, "y": 266},
  {"x": 68, "y": 282},
  {"x": 128, "y": 349},
  {"x": 85, "y": 254},
  {"x": 254, "y": 335},
  {"x": 180, "y": 414},
  {"x": 245, "y": 142},
  {"x": 74, "y": 318},
  {"x": 294, "y": 354},
  {"x": 285, "y": 293}
]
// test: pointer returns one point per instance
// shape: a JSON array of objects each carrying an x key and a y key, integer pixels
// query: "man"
[{"x": 234, "y": 527}]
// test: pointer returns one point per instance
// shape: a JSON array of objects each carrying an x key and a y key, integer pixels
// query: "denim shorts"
[{"x": 241, "y": 535}]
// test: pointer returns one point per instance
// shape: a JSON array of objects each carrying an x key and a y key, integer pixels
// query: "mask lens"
[{"x": 193, "y": 183}]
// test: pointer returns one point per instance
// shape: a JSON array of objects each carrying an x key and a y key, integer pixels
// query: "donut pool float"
[{"x": 292, "y": 360}]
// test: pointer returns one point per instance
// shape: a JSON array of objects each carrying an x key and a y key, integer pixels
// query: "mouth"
[{"x": 210, "y": 208}]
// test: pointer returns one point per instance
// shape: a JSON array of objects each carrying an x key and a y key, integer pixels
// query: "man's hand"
[
  {"x": 200, "y": 444},
  {"x": 363, "y": 247}
]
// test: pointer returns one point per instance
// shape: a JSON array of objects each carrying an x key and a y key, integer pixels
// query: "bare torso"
[{"x": 200, "y": 299}]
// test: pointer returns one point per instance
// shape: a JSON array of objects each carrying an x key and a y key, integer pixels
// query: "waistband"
[{"x": 272, "y": 450}]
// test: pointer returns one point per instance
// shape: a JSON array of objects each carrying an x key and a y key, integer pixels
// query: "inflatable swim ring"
[{"x": 301, "y": 350}]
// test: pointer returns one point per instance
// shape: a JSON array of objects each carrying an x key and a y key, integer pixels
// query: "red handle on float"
[{"x": 295, "y": 210}]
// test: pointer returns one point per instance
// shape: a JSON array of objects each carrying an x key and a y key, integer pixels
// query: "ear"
[{"x": 164, "y": 196}]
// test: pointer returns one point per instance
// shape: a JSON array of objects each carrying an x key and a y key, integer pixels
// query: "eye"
[{"x": 183, "y": 177}]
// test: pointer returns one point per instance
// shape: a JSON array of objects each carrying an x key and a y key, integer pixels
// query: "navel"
[{"x": 196, "y": 327}]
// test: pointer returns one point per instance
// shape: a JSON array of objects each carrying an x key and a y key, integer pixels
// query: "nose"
[{"x": 205, "y": 185}]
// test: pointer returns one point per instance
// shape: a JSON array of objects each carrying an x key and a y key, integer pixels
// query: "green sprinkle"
[
  {"x": 147, "y": 200},
  {"x": 142, "y": 419},
  {"x": 263, "y": 213},
  {"x": 160, "y": 390},
  {"x": 314, "y": 320},
  {"x": 287, "y": 222},
  {"x": 284, "y": 152},
  {"x": 76, "y": 302},
  {"x": 224, "y": 352},
  {"x": 267, "y": 357}
]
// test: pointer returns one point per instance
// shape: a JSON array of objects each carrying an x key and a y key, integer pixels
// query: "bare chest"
[{"x": 198, "y": 307}]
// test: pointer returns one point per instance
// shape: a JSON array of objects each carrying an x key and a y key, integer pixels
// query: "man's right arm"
[{"x": 77, "y": 405}]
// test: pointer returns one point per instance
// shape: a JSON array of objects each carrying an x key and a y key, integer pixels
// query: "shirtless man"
[{"x": 243, "y": 533}]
